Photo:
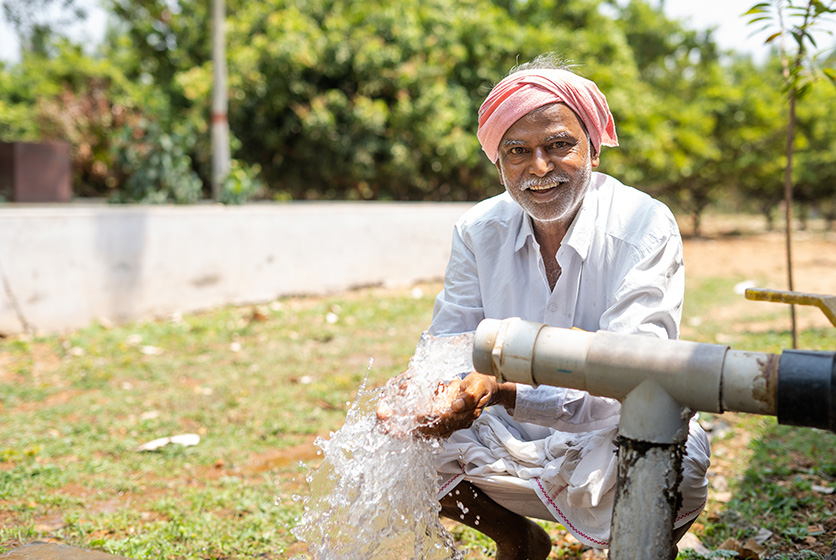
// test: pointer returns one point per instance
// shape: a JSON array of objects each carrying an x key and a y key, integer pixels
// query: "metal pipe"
[
  {"x": 826, "y": 303},
  {"x": 706, "y": 377},
  {"x": 651, "y": 443},
  {"x": 660, "y": 384}
]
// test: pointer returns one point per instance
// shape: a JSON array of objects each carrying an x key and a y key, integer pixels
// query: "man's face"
[{"x": 545, "y": 162}]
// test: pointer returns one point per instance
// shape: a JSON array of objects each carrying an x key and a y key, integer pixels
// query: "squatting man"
[{"x": 569, "y": 247}]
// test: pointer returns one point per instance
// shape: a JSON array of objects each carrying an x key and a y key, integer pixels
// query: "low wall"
[{"x": 63, "y": 266}]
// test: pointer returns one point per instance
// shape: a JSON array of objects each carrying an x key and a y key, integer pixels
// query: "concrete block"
[{"x": 36, "y": 171}]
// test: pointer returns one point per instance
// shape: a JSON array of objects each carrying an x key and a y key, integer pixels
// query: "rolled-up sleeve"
[{"x": 567, "y": 410}]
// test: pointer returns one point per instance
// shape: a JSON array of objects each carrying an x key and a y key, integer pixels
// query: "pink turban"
[{"x": 524, "y": 91}]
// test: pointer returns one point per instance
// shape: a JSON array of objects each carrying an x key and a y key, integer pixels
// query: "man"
[{"x": 568, "y": 247}]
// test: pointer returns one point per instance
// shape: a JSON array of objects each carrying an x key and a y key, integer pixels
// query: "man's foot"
[{"x": 532, "y": 543}]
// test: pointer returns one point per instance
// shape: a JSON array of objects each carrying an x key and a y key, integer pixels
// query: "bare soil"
[{"x": 760, "y": 259}]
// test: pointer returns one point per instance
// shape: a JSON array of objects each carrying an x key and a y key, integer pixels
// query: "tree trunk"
[{"x": 788, "y": 210}]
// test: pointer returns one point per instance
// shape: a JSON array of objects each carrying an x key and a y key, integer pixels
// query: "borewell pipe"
[{"x": 660, "y": 383}]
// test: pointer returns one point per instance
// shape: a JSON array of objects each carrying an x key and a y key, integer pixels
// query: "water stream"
[{"x": 374, "y": 495}]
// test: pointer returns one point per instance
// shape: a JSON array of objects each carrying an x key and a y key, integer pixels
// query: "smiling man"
[{"x": 568, "y": 247}]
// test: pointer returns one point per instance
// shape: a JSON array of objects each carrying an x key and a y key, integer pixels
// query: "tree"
[
  {"x": 38, "y": 22},
  {"x": 683, "y": 111},
  {"x": 815, "y": 174},
  {"x": 753, "y": 113},
  {"x": 794, "y": 21},
  {"x": 349, "y": 99}
]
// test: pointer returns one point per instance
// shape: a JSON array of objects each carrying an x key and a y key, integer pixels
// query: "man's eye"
[
  {"x": 516, "y": 150},
  {"x": 560, "y": 144}
]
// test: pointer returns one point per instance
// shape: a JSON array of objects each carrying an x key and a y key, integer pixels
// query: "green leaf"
[
  {"x": 772, "y": 38},
  {"x": 759, "y": 8},
  {"x": 757, "y": 19}
]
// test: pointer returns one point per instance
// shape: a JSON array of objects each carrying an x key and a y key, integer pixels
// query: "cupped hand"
[{"x": 462, "y": 403}]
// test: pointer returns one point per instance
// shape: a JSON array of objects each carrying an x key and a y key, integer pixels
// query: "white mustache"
[{"x": 547, "y": 181}]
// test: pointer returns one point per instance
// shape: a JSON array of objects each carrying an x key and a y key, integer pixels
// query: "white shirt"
[{"x": 622, "y": 271}]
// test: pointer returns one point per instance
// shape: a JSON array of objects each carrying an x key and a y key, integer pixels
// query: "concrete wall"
[{"x": 63, "y": 266}]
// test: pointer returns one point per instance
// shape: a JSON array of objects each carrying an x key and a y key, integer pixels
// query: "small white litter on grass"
[
  {"x": 186, "y": 440},
  {"x": 741, "y": 287},
  {"x": 151, "y": 350}
]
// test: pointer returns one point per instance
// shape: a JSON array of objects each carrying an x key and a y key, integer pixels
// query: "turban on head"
[{"x": 522, "y": 92}]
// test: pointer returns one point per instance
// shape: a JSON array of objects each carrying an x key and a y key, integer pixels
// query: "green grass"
[
  {"x": 258, "y": 384},
  {"x": 774, "y": 489}
]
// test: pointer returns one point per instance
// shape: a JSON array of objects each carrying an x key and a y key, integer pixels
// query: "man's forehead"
[{"x": 555, "y": 120}]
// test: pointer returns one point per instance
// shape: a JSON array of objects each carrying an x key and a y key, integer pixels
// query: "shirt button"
[{"x": 553, "y": 307}]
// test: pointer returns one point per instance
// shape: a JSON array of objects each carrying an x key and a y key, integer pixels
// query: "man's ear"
[
  {"x": 499, "y": 170},
  {"x": 595, "y": 160}
]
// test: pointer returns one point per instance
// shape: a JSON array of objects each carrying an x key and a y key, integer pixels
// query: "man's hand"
[{"x": 463, "y": 401}]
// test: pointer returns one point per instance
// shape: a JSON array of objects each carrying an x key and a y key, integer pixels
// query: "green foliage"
[
  {"x": 798, "y": 23},
  {"x": 38, "y": 23},
  {"x": 241, "y": 184},
  {"x": 815, "y": 174},
  {"x": 351, "y": 99},
  {"x": 158, "y": 166},
  {"x": 70, "y": 97}
]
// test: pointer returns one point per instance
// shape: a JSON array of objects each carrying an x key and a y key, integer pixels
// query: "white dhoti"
[{"x": 566, "y": 477}]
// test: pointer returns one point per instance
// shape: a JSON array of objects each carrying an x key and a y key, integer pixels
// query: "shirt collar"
[
  {"x": 580, "y": 234},
  {"x": 525, "y": 232}
]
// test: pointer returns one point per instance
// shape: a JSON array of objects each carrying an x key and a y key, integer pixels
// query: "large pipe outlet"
[
  {"x": 807, "y": 389},
  {"x": 798, "y": 387}
]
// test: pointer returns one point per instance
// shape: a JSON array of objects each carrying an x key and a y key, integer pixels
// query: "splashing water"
[{"x": 374, "y": 497}]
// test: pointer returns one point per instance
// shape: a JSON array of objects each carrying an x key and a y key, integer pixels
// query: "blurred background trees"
[{"x": 369, "y": 100}]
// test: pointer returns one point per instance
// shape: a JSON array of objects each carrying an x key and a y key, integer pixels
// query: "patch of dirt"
[
  {"x": 764, "y": 256},
  {"x": 760, "y": 259},
  {"x": 307, "y": 452},
  {"x": 50, "y": 401}
]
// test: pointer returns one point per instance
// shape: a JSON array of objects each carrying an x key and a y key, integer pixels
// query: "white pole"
[{"x": 220, "y": 123}]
